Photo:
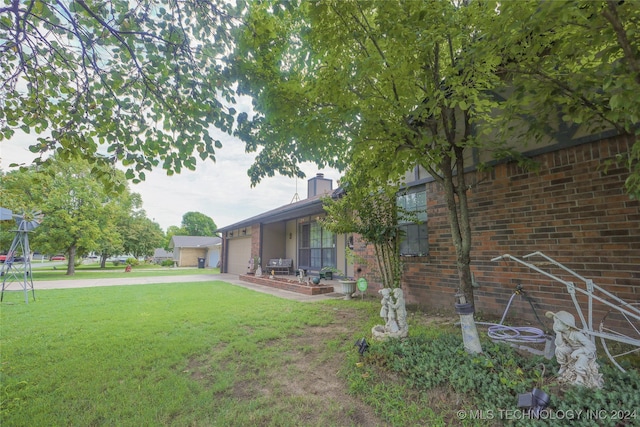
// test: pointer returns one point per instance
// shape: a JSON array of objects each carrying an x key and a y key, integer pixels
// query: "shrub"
[{"x": 493, "y": 380}]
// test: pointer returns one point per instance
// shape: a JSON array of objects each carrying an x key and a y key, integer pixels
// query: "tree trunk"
[
  {"x": 456, "y": 198},
  {"x": 71, "y": 264},
  {"x": 458, "y": 216}
]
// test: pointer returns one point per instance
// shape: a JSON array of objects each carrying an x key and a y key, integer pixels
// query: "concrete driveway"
[{"x": 125, "y": 281}]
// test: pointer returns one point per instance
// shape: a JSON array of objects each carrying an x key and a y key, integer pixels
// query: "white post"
[{"x": 470, "y": 335}]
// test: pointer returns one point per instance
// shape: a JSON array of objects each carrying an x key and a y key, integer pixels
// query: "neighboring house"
[
  {"x": 188, "y": 250},
  {"x": 291, "y": 231},
  {"x": 571, "y": 209},
  {"x": 160, "y": 255}
]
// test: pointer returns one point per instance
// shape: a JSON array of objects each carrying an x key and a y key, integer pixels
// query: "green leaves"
[
  {"x": 368, "y": 208},
  {"x": 198, "y": 224},
  {"x": 119, "y": 73},
  {"x": 87, "y": 207},
  {"x": 337, "y": 81},
  {"x": 576, "y": 59}
]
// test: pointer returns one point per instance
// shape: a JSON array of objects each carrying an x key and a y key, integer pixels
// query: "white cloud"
[{"x": 220, "y": 190}]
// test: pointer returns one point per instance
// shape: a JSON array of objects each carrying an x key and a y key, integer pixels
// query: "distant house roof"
[
  {"x": 194, "y": 241},
  {"x": 309, "y": 206},
  {"x": 161, "y": 253}
]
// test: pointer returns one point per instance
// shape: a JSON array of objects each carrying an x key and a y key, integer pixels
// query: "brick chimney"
[{"x": 319, "y": 185}]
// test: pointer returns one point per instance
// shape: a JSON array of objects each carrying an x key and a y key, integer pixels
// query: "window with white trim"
[
  {"x": 316, "y": 247},
  {"x": 415, "y": 239}
]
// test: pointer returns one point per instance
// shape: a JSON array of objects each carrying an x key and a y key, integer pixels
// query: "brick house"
[
  {"x": 292, "y": 232},
  {"x": 570, "y": 209}
]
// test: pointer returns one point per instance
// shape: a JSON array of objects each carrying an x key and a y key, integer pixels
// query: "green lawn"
[
  {"x": 49, "y": 271},
  {"x": 146, "y": 355},
  {"x": 215, "y": 354}
]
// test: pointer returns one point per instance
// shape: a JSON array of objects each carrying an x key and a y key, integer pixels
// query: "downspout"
[
  {"x": 225, "y": 254},
  {"x": 260, "y": 246}
]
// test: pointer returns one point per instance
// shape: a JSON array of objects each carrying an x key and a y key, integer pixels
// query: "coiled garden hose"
[{"x": 522, "y": 334}]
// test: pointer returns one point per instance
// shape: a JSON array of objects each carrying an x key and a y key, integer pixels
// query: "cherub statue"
[
  {"x": 394, "y": 313},
  {"x": 575, "y": 353},
  {"x": 384, "y": 310},
  {"x": 401, "y": 309}
]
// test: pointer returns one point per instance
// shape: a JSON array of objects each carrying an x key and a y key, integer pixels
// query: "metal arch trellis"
[
  {"x": 17, "y": 265},
  {"x": 618, "y": 343}
]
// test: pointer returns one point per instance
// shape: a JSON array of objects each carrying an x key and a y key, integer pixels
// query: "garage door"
[
  {"x": 214, "y": 256},
  {"x": 239, "y": 255}
]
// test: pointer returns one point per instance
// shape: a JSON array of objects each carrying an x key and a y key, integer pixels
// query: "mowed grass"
[
  {"x": 166, "y": 354},
  {"x": 93, "y": 271}
]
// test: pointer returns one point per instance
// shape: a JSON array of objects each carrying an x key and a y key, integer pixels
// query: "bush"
[
  {"x": 133, "y": 261},
  {"x": 167, "y": 263}
]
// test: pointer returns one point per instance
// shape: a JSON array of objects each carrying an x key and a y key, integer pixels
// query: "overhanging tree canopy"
[
  {"x": 577, "y": 63},
  {"x": 141, "y": 83},
  {"x": 389, "y": 85}
]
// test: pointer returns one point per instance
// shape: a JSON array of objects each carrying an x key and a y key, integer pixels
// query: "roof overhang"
[{"x": 283, "y": 213}]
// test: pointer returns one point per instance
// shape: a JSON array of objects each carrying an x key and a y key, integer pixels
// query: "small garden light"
[
  {"x": 536, "y": 401},
  {"x": 362, "y": 346}
]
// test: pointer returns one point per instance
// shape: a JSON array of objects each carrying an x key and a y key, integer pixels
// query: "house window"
[
  {"x": 415, "y": 241},
  {"x": 317, "y": 247}
]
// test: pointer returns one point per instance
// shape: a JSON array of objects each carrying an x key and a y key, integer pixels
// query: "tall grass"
[{"x": 144, "y": 355}]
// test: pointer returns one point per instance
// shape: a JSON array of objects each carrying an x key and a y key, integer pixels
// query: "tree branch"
[{"x": 611, "y": 14}]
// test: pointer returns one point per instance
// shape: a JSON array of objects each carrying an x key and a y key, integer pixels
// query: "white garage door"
[
  {"x": 239, "y": 255},
  {"x": 214, "y": 257}
]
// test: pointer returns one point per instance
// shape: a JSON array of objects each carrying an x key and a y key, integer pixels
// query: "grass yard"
[
  {"x": 198, "y": 354},
  {"x": 93, "y": 271},
  {"x": 215, "y": 354}
]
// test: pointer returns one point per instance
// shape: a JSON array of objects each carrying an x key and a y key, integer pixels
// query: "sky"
[{"x": 220, "y": 190}]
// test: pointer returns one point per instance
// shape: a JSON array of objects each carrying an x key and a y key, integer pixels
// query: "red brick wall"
[
  {"x": 569, "y": 209},
  {"x": 256, "y": 242}
]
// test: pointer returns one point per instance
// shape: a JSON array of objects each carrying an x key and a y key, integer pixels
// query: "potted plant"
[
  {"x": 328, "y": 272},
  {"x": 348, "y": 287}
]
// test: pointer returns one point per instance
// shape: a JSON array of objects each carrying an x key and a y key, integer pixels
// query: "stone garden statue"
[
  {"x": 394, "y": 312},
  {"x": 575, "y": 352},
  {"x": 401, "y": 310}
]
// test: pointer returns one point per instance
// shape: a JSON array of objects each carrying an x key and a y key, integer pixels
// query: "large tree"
[
  {"x": 143, "y": 236},
  {"x": 79, "y": 215},
  {"x": 389, "y": 85},
  {"x": 385, "y": 85},
  {"x": 198, "y": 224},
  {"x": 72, "y": 204},
  {"x": 138, "y": 82}
]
